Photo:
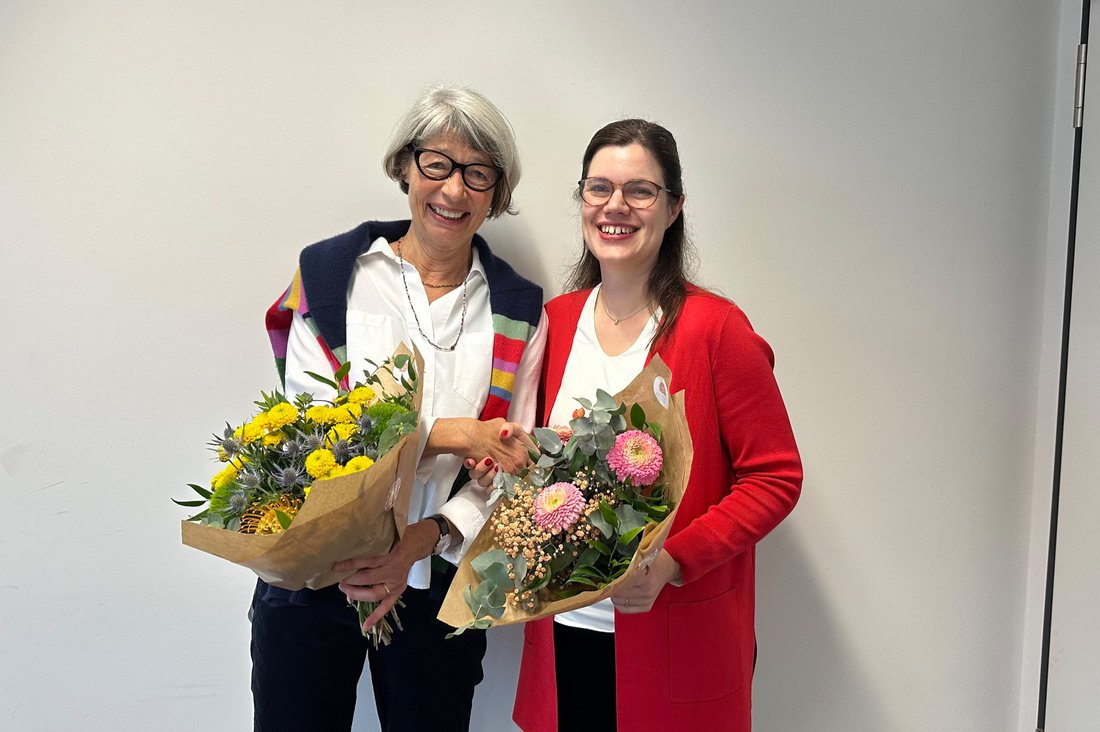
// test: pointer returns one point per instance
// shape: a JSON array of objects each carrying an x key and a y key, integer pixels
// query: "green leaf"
[
  {"x": 548, "y": 440},
  {"x": 588, "y": 557},
  {"x": 629, "y": 518},
  {"x": 487, "y": 559},
  {"x": 584, "y": 403},
  {"x": 341, "y": 372},
  {"x": 519, "y": 568},
  {"x": 584, "y": 581},
  {"x": 609, "y": 514},
  {"x": 200, "y": 490},
  {"x": 629, "y": 536},
  {"x": 188, "y": 504},
  {"x": 597, "y": 520},
  {"x": 284, "y": 520},
  {"x": 323, "y": 380},
  {"x": 604, "y": 400},
  {"x": 637, "y": 417},
  {"x": 655, "y": 430},
  {"x": 401, "y": 360},
  {"x": 600, "y": 547}
]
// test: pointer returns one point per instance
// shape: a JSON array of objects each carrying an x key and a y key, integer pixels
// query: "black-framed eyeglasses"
[
  {"x": 636, "y": 193},
  {"x": 435, "y": 165}
]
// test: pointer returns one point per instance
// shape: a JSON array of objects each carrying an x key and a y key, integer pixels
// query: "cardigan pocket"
[{"x": 702, "y": 664}]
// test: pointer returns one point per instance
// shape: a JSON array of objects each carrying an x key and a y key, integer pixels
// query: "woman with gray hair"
[{"x": 431, "y": 281}]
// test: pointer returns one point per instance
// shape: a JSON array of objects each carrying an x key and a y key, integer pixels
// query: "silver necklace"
[
  {"x": 461, "y": 322},
  {"x": 612, "y": 318}
]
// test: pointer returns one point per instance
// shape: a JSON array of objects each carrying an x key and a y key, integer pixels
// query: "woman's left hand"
[
  {"x": 382, "y": 579},
  {"x": 638, "y": 595}
]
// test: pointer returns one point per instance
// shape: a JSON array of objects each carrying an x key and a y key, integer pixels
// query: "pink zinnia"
[
  {"x": 558, "y": 506},
  {"x": 636, "y": 455}
]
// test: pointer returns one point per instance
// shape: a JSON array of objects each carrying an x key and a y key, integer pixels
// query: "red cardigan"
[{"x": 687, "y": 664}]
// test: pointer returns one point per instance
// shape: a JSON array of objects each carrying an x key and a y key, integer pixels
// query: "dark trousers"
[
  {"x": 584, "y": 667},
  {"x": 308, "y": 652}
]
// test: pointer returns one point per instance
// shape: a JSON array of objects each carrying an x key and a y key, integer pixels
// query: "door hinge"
[{"x": 1079, "y": 87}]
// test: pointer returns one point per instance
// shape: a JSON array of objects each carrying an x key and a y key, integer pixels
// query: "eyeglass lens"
[
  {"x": 638, "y": 193},
  {"x": 437, "y": 166}
]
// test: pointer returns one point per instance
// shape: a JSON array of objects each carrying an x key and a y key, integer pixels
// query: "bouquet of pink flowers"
[
  {"x": 306, "y": 483},
  {"x": 595, "y": 506}
]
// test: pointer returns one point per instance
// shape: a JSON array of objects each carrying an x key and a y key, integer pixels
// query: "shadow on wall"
[{"x": 807, "y": 678}]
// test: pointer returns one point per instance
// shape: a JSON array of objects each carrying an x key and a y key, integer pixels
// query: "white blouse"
[
  {"x": 454, "y": 384},
  {"x": 587, "y": 370}
]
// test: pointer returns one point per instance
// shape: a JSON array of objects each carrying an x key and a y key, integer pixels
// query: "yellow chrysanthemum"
[
  {"x": 361, "y": 395},
  {"x": 262, "y": 519},
  {"x": 280, "y": 416},
  {"x": 225, "y": 476},
  {"x": 321, "y": 414},
  {"x": 346, "y": 413},
  {"x": 273, "y": 438},
  {"x": 341, "y": 432},
  {"x": 250, "y": 432},
  {"x": 358, "y": 463},
  {"x": 320, "y": 463}
]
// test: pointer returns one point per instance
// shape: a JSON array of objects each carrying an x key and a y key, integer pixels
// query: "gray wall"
[{"x": 871, "y": 182}]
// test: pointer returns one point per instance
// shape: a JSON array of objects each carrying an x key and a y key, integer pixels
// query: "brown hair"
[{"x": 667, "y": 280}]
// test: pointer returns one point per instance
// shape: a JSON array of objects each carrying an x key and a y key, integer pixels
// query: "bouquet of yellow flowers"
[
  {"x": 306, "y": 483},
  {"x": 594, "y": 509}
]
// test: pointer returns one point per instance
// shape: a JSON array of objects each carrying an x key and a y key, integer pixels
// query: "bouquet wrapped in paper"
[
  {"x": 306, "y": 483},
  {"x": 593, "y": 510}
]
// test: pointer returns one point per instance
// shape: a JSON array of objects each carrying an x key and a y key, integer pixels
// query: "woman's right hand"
[
  {"x": 482, "y": 472},
  {"x": 506, "y": 443}
]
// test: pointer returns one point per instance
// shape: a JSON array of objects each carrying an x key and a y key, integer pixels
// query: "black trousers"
[
  {"x": 584, "y": 667},
  {"x": 308, "y": 652}
]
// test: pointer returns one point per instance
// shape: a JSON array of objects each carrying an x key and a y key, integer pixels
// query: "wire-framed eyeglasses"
[
  {"x": 435, "y": 165},
  {"x": 636, "y": 193}
]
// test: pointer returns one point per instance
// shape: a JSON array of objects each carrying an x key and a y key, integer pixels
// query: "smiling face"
[
  {"x": 445, "y": 213},
  {"x": 626, "y": 240}
]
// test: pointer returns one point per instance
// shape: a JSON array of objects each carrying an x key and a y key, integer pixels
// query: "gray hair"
[{"x": 469, "y": 115}]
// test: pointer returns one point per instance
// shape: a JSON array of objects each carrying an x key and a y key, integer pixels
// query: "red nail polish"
[
  {"x": 503, "y": 434},
  {"x": 488, "y": 462}
]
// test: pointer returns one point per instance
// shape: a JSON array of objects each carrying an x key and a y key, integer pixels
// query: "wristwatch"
[{"x": 444, "y": 534}]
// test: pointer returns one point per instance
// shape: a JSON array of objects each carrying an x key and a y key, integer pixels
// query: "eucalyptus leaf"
[
  {"x": 604, "y": 400},
  {"x": 519, "y": 569},
  {"x": 597, "y": 520},
  {"x": 486, "y": 559},
  {"x": 548, "y": 440}
]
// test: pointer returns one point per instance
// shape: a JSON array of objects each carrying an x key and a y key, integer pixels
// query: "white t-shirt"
[
  {"x": 454, "y": 384},
  {"x": 587, "y": 370}
]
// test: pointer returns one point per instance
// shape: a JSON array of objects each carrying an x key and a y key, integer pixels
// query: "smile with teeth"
[
  {"x": 615, "y": 230},
  {"x": 451, "y": 215}
]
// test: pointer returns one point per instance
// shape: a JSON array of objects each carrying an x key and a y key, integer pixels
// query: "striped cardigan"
[{"x": 325, "y": 269}]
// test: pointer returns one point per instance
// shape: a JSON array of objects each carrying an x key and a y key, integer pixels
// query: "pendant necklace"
[{"x": 461, "y": 322}]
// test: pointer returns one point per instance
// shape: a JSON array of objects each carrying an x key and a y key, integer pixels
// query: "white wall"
[{"x": 869, "y": 181}]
